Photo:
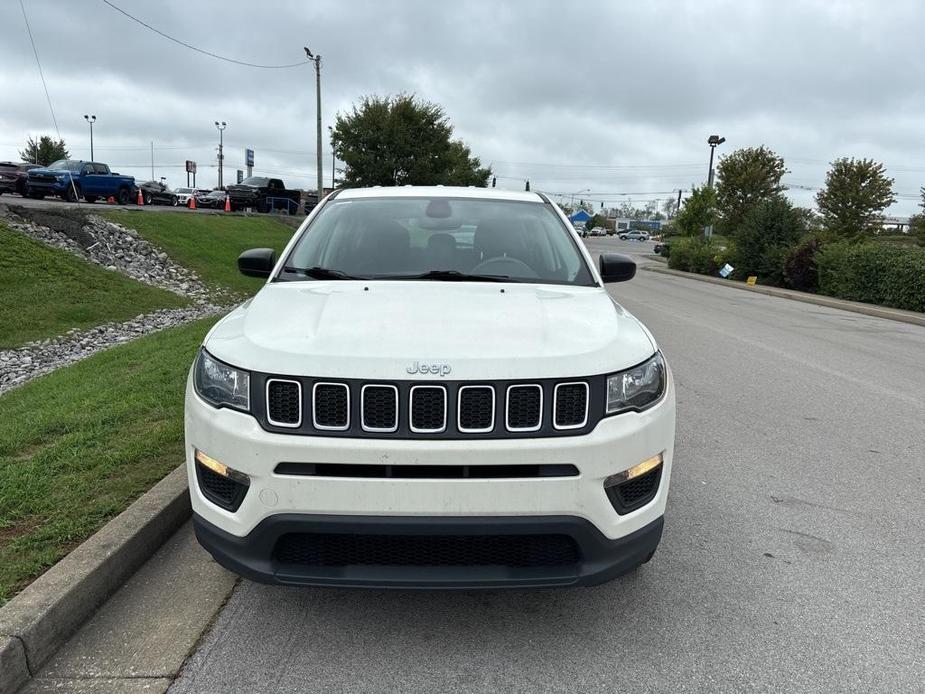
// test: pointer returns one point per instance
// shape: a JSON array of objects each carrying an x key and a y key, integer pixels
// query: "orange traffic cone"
[
  {"x": 141, "y": 198},
  {"x": 192, "y": 202},
  {"x": 110, "y": 200},
  {"x": 227, "y": 204}
]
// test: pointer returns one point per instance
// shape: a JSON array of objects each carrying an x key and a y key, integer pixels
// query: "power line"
[
  {"x": 39, "y": 63},
  {"x": 200, "y": 50}
]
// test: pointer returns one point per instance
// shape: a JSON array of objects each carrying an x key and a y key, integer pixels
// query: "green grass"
[
  {"x": 47, "y": 291},
  {"x": 209, "y": 244},
  {"x": 79, "y": 445}
]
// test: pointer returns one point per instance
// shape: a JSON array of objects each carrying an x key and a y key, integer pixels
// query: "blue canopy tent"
[{"x": 579, "y": 217}]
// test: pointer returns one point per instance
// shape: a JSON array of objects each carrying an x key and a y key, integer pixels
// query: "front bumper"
[
  {"x": 47, "y": 187},
  {"x": 577, "y": 506},
  {"x": 599, "y": 559}
]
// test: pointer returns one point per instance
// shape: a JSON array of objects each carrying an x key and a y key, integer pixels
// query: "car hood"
[
  {"x": 377, "y": 330},
  {"x": 49, "y": 172}
]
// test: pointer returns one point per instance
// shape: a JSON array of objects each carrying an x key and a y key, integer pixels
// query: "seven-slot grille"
[
  {"x": 284, "y": 402},
  {"x": 427, "y": 409}
]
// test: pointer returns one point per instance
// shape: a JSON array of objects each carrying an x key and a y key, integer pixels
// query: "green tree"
[
  {"x": 765, "y": 237},
  {"x": 856, "y": 193},
  {"x": 917, "y": 223},
  {"x": 400, "y": 140},
  {"x": 746, "y": 178},
  {"x": 697, "y": 211},
  {"x": 44, "y": 151}
]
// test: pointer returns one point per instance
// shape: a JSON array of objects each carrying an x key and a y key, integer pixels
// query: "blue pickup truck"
[{"x": 71, "y": 180}]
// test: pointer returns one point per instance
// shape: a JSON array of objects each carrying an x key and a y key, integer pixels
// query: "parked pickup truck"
[
  {"x": 71, "y": 180},
  {"x": 263, "y": 194}
]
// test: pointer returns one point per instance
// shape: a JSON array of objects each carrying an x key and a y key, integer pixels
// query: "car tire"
[
  {"x": 91, "y": 198},
  {"x": 261, "y": 206},
  {"x": 71, "y": 193},
  {"x": 175, "y": 201},
  {"x": 147, "y": 198},
  {"x": 122, "y": 196}
]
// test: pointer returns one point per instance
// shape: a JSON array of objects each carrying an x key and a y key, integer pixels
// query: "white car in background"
[
  {"x": 435, "y": 389},
  {"x": 184, "y": 194}
]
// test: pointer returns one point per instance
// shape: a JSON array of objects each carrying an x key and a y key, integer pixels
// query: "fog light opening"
[
  {"x": 642, "y": 468},
  {"x": 220, "y": 468}
]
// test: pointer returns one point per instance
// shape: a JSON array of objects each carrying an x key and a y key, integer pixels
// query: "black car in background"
[
  {"x": 263, "y": 194},
  {"x": 13, "y": 176},
  {"x": 156, "y": 193},
  {"x": 212, "y": 199}
]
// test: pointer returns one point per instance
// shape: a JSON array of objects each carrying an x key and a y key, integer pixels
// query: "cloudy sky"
[{"x": 616, "y": 96}]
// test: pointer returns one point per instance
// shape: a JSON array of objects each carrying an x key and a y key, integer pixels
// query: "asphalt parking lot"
[{"x": 792, "y": 558}]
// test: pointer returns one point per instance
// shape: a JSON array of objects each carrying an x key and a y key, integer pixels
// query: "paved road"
[{"x": 792, "y": 558}]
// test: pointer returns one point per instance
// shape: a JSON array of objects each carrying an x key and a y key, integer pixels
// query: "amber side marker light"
[
  {"x": 220, "y": 468},
  {"x": 642, "y": 468}
]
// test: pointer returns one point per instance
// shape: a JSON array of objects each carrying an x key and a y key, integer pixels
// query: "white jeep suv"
[{"x": 433, "y": 389}]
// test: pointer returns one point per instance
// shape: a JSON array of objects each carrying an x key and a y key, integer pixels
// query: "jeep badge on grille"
[{"x": 434, "y": 369}]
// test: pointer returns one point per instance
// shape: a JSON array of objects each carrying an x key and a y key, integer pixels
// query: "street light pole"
[
  {"x": 221, "y": 155},
  {"x": 316, "y": 59},
  {"x": 713, "y": 140},
  {"x": 91, "y": 120}
]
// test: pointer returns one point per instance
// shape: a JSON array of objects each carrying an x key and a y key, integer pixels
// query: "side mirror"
[
  {"x": 257, "y": 262},
  {"x": 616, "y": 267}
]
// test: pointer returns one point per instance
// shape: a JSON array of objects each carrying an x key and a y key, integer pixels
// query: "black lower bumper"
[{"x": 257, "y": 556}]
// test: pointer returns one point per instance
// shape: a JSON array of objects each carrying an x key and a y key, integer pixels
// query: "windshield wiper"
[
  {"x": 448, "y": 276},
  {"x": 320, "y": 273}
]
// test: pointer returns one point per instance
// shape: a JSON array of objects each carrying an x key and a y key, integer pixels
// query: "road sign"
[
  {"x": 190, "y": 166},
  {"x": 751, "y": 281},
  {"x": 726, "y": 270}
]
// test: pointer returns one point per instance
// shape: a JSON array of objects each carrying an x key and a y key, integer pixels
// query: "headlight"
[
  {"x": 636, "y": 388},
  {"x": 220, "y": 384}
]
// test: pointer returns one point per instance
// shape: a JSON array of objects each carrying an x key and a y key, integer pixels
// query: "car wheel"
[
  {"x": 71, "y": 193},
  {"x": 261, "y": 205},
  {"x": 175, "y": 201},
  {"x": 122, "y": 196},
  {"x": 147, "y": 198}
]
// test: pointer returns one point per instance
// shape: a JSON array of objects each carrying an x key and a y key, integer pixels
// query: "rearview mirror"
[
  {"x": 616, "y": 267},
  {"x": 257, "y": 262}
]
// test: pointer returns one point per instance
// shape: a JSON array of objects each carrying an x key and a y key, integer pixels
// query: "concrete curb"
[
  {"x": 854, "y": 306},
  {"x": 38, "y": 621}
]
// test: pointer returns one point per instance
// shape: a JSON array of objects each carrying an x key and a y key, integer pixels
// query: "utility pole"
[
  {"x": 678, "y": 206},
  {"x": 91, "y": 120},
  {"x": 317, "y": 60},
  {"x": 221, "y": 156},
  {"x": 152, "y": 160}
]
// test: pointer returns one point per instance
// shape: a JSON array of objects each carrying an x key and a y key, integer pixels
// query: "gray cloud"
[{"x": 617, "y": 97}]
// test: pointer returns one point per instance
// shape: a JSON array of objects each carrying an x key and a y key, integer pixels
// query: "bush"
[
  {"x": 765, "y": 236},
  {"x": 799, "y": 267},
  {"x": 873, "y": 273},
  {"x": 694, "y": 254}
]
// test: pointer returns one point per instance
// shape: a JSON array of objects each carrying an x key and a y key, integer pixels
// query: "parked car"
[
  {"x": 184, "y": 194},
  {"x": 13, "y": 176},
  {"x": 661, "y": 248},
  {"x": 72, "y": 179},
  {"x": 214, "y": 199},
  {"x": 156, "y": 193},
  {"x": 635, "y": 235},
  {"x": 598, "y": 231},
  {"x": 323, "y": 449},
  {"x": 263, "y": 194}
]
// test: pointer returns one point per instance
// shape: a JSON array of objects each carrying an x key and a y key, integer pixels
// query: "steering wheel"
[{"x": 515, "y": 267}]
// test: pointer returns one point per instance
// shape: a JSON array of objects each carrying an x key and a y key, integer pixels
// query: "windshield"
[
  {"x": 65, "y": 164},
  {"x": 255, "y": 181},
  {"x": 407, "y": 238}
]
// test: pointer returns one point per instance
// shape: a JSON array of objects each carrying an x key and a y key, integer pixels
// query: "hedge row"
[{"x": 873, "y": 273}]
